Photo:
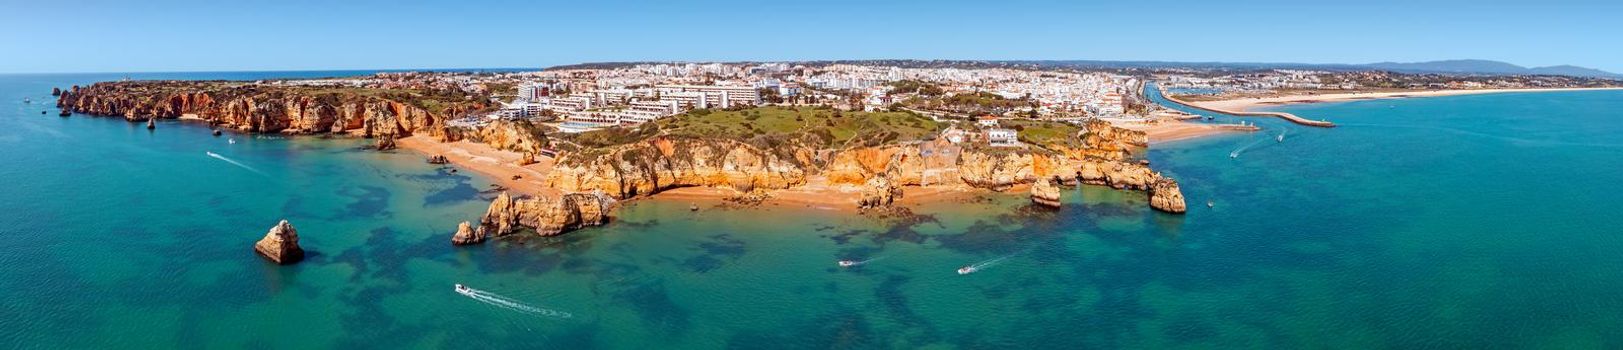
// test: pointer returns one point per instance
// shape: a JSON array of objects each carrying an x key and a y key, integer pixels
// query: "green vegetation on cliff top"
[
  {"x": 436, "y": 101},
  {"x": 769, "y": 125},
  {"x": 1044, "y": 133}
]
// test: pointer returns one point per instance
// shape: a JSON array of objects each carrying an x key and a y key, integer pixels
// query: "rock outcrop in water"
[
  {"x": 385, "y": 142},
  {"x": 1165, "y": 196},
  {"x": 1043, "y": 192},
  {"x": 281, "y": 244},
  {"x": 465, "y": 235},
  {"x": 55, "y": 91},
  {"x": 546, "y": 216},
  {"x": 263, "y": 108}
]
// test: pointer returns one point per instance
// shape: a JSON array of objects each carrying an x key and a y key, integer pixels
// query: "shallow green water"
[{"x": 1467, "y": 221}]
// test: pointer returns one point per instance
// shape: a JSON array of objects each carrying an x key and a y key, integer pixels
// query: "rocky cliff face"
[
  {"x": 259, "y": 108},
  {"x": 546, "y": 216},
  {"x": 659, "y": 164},
  {"x": 513, "y": 136},
  {"x": 281, "y": 244}
]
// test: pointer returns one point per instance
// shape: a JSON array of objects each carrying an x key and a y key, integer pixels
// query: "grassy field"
[
  {"x": 826, "y": 126},
  {"x": 1044, "y": 133}
]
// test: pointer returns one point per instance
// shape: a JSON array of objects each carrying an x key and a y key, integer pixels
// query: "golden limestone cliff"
[
  {"x": 516, "y": 136},
  {"x": 657, "y": 164},
  {"x": 259, "y": 108}
]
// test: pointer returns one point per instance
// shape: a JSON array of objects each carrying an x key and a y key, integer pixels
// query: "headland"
[{"x": 817, "y": 156}]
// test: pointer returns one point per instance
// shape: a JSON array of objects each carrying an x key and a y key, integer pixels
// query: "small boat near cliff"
[{"x": 967, "y": 270}]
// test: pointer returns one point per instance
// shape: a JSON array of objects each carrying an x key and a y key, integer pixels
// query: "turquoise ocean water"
[{"x": 1466, "y": 221}]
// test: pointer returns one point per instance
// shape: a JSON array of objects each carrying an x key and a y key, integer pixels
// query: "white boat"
[
  {"x": 966, "y": 270},
  {"x": 461, "y": 289},
  {"x": 1281, "y": 138},
  {"x": 847, "y": 263}
]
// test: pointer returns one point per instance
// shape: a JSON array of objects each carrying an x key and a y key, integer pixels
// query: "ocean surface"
[{"x": 1481, "y": 221}]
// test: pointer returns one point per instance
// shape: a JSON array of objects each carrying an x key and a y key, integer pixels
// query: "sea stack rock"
[
  {"x": 465, "y": 235},
  {"x": 1165, "y": 196},
  {"x": 878, "y": 192},
  {"x": 64, "y": 113},
  {"x": 56, "y": 91},
  {"x": 216, "y": 132},
  {"x": 1043, "y": 192},
  {"x": 547, "y": 216},
  {"x": 386, "y": 143},
  {"x": 281, "y": 244}
]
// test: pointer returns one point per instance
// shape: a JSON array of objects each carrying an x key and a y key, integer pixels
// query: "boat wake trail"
[
  {"x": 988, "y": 263},
  {"x": 1236, "y": 153},
  {"x": 855, "y": 263},
  {"x": 510, "y": 304},
  {"x": 233, "y": 162}
]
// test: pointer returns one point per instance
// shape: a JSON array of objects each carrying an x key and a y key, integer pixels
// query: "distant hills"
[
  {"x": 1490, "y": 67},
  {"x": 1451, "y": 67}
]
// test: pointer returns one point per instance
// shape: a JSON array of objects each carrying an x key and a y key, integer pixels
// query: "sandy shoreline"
[
  {"x": 497, "y": 165},
  {"x": 1246, "y": 104},
  {"x": 833, "y": 200},
  {"x": 1169, "y": 131}
]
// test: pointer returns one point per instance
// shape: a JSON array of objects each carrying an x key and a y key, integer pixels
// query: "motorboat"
[
  {"x": 847, "y": 263},
  {"x": 461, "y": 289},
  {"x": 966, "y": 270},
  {"x": 1281, "y": 138},
  {"x": 1209, "y": 204}
]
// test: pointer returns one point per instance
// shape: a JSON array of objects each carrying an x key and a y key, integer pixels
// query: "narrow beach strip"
[{"x": 1282, "y": 115}]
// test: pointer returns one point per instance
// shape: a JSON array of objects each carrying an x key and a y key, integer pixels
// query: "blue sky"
[{"x": 135, "y": 36}]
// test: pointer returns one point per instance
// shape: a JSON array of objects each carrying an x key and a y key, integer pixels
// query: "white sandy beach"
[{"x": 1244, "y": 104}]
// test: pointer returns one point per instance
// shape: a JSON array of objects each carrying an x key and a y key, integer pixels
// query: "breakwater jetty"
[{"x": 1281, "y": 115}]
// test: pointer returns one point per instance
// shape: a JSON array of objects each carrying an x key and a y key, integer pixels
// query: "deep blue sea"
[{"x": 1481, "y": 221}]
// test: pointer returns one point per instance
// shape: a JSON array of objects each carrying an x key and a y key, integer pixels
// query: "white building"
[
  {"x": 570, "y": 104},
  {"x": 1002, "y": 137},
  {"x": 718, "y": 96}
]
